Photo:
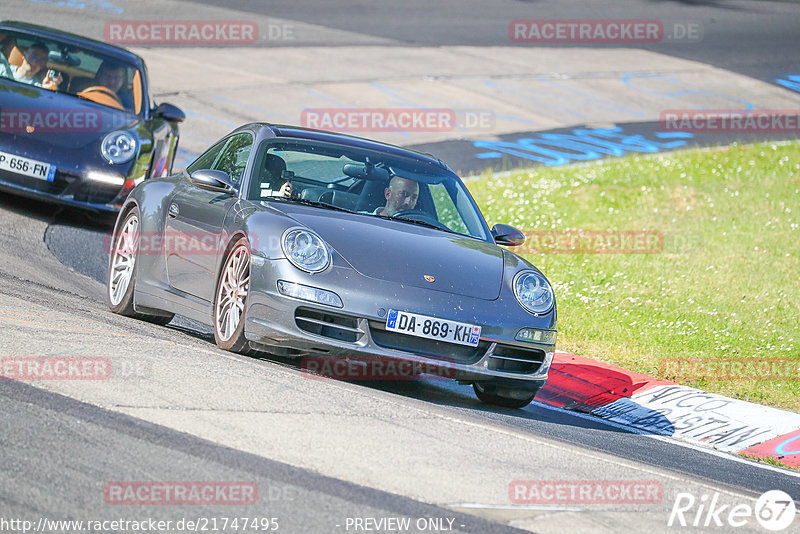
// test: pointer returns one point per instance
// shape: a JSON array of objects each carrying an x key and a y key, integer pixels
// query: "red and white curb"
[{"x": 648, "y": 405}]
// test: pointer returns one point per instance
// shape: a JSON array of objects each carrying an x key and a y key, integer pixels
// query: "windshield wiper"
[
  {"x": 308, "y": 202},
  {"x": 426, "y": 224}
]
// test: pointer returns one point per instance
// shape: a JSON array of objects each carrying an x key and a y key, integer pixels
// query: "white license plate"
[
  {"x": 27, "y": 167},
  {"x": 432, "y": 328}
]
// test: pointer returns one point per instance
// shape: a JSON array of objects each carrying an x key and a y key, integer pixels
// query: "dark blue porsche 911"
[
  {"x": 312, "y": 244},
  {"x": 77, "y": 126}
]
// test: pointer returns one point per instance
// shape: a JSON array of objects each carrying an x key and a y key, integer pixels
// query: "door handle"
[{"x": 173, "y": 210}]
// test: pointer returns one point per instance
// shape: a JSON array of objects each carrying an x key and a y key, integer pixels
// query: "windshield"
[
  {"x": 71, "y": 70},
  {"x": 367, "y": 182}
]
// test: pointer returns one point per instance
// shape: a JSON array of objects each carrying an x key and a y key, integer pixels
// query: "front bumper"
[
  {"x": 291, "y": 327},
  {"x": 67, "y": 189}
]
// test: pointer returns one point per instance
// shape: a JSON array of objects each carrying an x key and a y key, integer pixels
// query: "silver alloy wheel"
[
  {"x": 124, "y": 260},
  {"x": 232, "y": 293}
]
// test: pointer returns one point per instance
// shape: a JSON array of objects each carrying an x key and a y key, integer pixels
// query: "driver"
[
  {"x": 274, "y": 166},
  {"x": 401, "y": 195},
  {"x": 114, "y": 75}
]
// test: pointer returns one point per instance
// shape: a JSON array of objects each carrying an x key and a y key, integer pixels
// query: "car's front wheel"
[
  {"x": 122, "y": 271},
  {"x": 230, "y": 303},
  {"x": 508, "y": 398}
]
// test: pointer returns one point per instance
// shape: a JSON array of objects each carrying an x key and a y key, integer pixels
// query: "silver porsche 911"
[{"x": 312, "y": 244}]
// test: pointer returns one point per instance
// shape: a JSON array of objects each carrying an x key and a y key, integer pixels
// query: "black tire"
[
  {"x": 489, "y": 395},
  {"x": 235, "y": 272},
  {"x": 122, "y": 267}
]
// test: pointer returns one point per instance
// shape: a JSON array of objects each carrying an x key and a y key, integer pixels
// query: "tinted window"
[
  {"x": 207, "y": 158},
  {"x": 356, "y": 179},
  {"x": 78, "y": 71},
  {"x": 234, "y": 158}
]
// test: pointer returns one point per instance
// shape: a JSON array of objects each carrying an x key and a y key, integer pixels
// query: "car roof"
[
  {"x": 297, "y": 132},
  {"x": 78, "y": 40}
]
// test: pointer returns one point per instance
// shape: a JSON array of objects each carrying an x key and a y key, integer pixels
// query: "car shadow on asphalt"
[
  {"x": 543, "y": 416},
  {"x": 54, "y": 213},
  {"x": 447, "y": 393}
]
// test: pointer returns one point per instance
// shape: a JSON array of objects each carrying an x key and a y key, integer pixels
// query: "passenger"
[
  {"x": 34, "y": 60},
  {"x": 5, "y": 68}
]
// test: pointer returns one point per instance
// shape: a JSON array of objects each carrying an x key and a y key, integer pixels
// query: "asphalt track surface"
[
  {"x": 323, "y": 451},
  {"x": 733, "y": 36}
]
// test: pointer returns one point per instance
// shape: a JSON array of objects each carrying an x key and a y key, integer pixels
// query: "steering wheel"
[
  {"x": 419, "y": 215},
  {"x": 102, "y": 95}
]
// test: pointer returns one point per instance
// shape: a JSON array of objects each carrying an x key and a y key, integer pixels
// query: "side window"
[
  {"x": 446, "y": 210},
  {"x": 234, "y": 158},
  {"x": 207, "y": 158}
]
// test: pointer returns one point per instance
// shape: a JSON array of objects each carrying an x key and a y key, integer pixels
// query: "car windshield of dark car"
[
  {"x": 71, "y": 70},
  {"x": 360, "y": 180}
]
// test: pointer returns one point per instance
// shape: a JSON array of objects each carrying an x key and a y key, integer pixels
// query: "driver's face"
[
  {"x": 34, "y": 59},
  {"x": 401, "y": 195},
  {"x": 111, "y": 78}
]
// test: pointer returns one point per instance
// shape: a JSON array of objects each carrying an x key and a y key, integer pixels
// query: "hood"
[
  {"x": 405, "y": 253},
  {"x": 58, "y": 119}
]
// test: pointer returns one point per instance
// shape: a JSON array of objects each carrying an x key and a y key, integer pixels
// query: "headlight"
[
  {"x": 533, "y": 292},
  {"x": 119, "y": 147},
  {"x": 306, "y": 250}
]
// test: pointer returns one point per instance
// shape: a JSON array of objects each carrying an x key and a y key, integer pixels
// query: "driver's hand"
[
  {"x": 52, "y": 82},
  {"x": 286, "y": 190}
]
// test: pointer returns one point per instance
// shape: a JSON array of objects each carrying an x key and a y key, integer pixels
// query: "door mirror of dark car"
[
  {"x": 506, "y": 235},
  {"x": 170, "y": 113},
  {"x": 211, "y": 180}
]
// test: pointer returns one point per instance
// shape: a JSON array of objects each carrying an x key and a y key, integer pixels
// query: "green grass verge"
[
  {"x": 723, "y": 283},
  {"x": 770, "y": 461}
]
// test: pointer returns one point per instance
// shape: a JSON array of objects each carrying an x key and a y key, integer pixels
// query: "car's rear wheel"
[
  {"x": 122, "y": 271},
  {"x": 510, "y": 399},
  {"x": 233, "y": 288}
]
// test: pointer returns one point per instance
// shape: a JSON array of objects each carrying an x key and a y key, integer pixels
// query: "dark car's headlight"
[
  {"x": 306, "y": 250},
  {"x": 533, "y": 292},
  {"x": 119, "y": 147}
]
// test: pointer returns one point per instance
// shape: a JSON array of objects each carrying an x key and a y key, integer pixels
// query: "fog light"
[
  {"x": 533, "y": 335},
  {"x": 106, "y": 178},
  {"x": 311, "y": 294}
]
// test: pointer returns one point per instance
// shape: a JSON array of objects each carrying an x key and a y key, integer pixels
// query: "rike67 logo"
[{"x": 774, "y": 511}]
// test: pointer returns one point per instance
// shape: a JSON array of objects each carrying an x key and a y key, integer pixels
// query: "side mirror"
[
  {"x": 211, "y": 180},
  {"x": 506, "y": 235},
  {"x": 170, "y": 113}
]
